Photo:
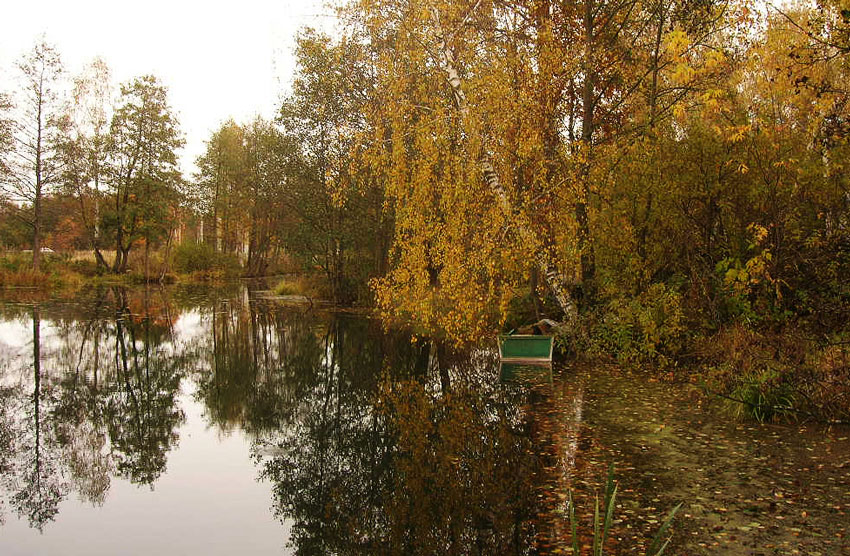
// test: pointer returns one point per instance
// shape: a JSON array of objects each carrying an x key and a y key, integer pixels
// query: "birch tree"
[
  {"x": 85, "y": 148},
  {"x": 472, "y": 130},
  {"x": 494, "y": 125}
]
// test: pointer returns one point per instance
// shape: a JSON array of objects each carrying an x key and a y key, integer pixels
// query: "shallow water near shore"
[{"x": 213, "y": 421}]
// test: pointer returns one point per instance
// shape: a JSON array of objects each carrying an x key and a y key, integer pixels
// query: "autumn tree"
[
  {"x": 6, "y": 132},
  {"x": 267, "y": 153},
  {"x": 795, "y": 136},
  {"x": 85, "y": 148},
  {"x": 489, "y": 123},
  {"x": 6, "y": 146},
  {"x": 336, "y": 220},
  {"x": 425, "y": 154},
  {"x": 240, "y": 184},
  {"x": 143, "y": 174},
  {"x": 219, "y": 182},
  {"x": 33, "y": 166}
]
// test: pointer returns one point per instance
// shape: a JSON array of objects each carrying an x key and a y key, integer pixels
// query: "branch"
[{"x": 545, "y": 261}]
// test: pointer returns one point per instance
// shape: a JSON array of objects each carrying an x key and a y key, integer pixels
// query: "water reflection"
[
  {"x": 34, "y": 447},
  {"x": 97, "y": 400},
  {"x": 370, "y": 442},
  {"x": 425, "y": 452}
]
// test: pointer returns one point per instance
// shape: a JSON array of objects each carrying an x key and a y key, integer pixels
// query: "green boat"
[{"x": 525, "y": 348}]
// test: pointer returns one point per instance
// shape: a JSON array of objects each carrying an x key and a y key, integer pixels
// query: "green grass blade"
[
  {"x": 609, "y": 482},
  {"x": 610, "y": 500},
  {"x": 656, "y": 548},
  {"x": 597, "y": 548},
  {"x": 663, "y": 547}
]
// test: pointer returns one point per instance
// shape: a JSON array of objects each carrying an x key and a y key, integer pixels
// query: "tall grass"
[
  {"x": 24, "y": 278},
  {"x": 602, "y": 522}
]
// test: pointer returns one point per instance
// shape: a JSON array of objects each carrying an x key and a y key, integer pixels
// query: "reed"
[{"x": 602, "y": 522}]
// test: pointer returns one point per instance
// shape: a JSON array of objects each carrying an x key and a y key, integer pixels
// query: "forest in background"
[{"x": 665, "y": 176}]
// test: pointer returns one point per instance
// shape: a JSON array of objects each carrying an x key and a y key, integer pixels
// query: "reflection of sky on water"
[
  {"x": 188, "y": 326},
  {"x": 16, "y": 335},
  {"x": 207, "y": 500},
  {"x": 16, "y": 348}
]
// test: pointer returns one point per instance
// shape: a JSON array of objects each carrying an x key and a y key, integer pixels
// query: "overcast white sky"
[{"x": 218, "y": 59}]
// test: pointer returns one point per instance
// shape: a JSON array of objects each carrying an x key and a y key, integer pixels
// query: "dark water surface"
[{"x": 196, "y": 421}]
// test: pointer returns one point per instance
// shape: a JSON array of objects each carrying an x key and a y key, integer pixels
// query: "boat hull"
[{"x": 526, "y": 349}]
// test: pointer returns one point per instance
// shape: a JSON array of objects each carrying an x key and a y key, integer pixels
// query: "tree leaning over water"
[
  {"x": 614, "y": 145},
  {"x": 488, "y": 127}
]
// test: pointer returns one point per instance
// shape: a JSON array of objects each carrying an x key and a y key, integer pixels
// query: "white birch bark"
[{"x": 555, "y": 279}]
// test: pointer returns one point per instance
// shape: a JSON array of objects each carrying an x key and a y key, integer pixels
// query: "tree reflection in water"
[
  {"x": 396, "y": 447},
  {"x": 141, "y": 409},
  {"x": 33, "y": 478},
  {"x": 370, "y": 442},
  {"x": 100, "y": 399}
]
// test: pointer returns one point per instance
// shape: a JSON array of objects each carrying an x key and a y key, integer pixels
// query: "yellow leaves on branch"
[
  {"x": 714, "y": 59},
  {"x": 677, "y": 43},
  {"x": 738, "y": 133},
  {"x": 758, "y": 232},
  {"x": 682, "y": 73},
  {"x": 711, "y": 101},
  {"x": 743, "y": 279}
]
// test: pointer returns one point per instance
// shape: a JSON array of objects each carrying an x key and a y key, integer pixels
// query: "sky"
[{"x": 218, "y": 59}]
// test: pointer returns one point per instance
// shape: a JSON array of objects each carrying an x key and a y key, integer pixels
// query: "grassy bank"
[
  {"x": 74, "y": 269},
  {"x": 754, "y": 361},
  {"x": 766, "y": 370}
]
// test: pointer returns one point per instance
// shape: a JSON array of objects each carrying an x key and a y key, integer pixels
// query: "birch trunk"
[{"x": 544, "y": 259}]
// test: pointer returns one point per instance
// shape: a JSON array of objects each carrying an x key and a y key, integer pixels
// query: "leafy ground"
[{"x": 747, "y": 488}]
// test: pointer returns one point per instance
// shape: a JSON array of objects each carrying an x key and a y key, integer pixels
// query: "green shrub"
[
  {"x": 771, "y": 376},
  {"x": 194, "y": 257},
  {"x": 647, "y": 328},
  {"x": 287, "y": 287},
  {"x": 764, "y": 396}
]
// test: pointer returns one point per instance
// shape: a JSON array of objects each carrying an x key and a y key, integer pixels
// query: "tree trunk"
[
  {"x": 643, "y": 226},
  {"x": 588, "y": 260},
  {"x": 147, "y": 260},
  {"x": 116, "y": 263},
  {"x": 36, "y": 232},
  {"x": 543, "y": 256},
  {"x": 36, "y": 220},
  {"x": 125, "y": 259}
]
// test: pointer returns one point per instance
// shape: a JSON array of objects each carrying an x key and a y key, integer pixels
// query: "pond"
[{"x": 212, "y": 421}]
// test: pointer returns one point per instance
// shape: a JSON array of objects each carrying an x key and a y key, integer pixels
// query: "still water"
[{"x": 199, "y": 421}]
